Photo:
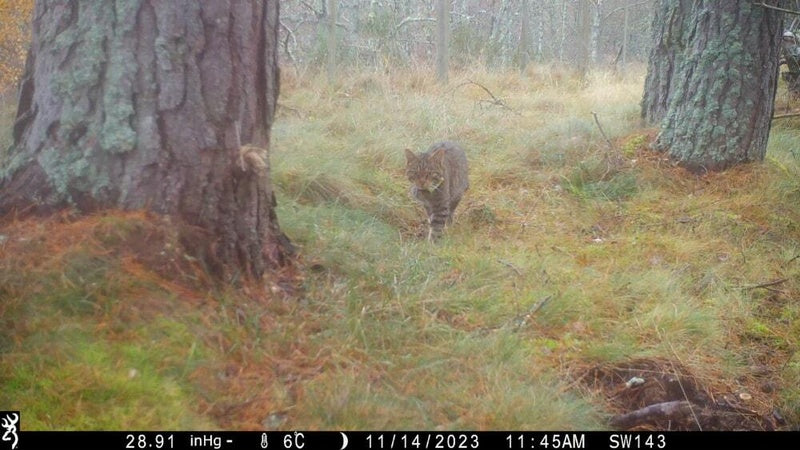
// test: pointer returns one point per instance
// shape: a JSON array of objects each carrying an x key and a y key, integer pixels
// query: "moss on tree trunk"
[
  {"x": 134, "y": 104},
  {"x": 721, "y": 91}
]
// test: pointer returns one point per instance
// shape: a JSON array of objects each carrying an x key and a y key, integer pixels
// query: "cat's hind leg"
[{"x": 453, "y": 205}]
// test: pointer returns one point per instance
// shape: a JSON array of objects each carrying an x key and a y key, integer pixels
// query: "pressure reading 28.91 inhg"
[{"x": 158, "y": 441}]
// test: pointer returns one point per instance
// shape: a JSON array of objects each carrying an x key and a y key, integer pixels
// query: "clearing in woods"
[{"x": 584, "y": 279}]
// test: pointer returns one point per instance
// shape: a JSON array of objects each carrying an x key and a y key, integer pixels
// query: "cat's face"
[{"x": 426, "y": 172}]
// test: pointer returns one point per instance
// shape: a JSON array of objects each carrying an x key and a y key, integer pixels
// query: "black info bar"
[{"x": 400, "y": 440}]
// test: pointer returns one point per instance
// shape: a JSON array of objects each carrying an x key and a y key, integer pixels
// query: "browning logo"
[{"x": 9, "y": 420}]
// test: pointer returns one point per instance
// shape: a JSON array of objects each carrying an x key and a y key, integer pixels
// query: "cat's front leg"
[{"x": 437, "y": 221}]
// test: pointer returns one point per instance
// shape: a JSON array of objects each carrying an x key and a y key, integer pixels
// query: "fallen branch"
[
  {"x": 764, "y": 285},
  {"x": 510, "y": 266},
  {"x": 783, "y": 116},
  {"x": 522, "y": 319},
  {"x": 660, "y": 411},
  {"x": 494, "y": 101},
  {"x": 289, "y": 108}
]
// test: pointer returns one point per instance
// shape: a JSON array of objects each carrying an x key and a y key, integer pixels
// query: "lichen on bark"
[
  {"x": 138, "y": 104},
  {"x": 719, "y": 106}
]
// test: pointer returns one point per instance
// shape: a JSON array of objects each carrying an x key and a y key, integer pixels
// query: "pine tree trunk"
[
  {"x": 669, "y": 40},
  {"x": 137, "y": 104},
  {"x": 524, "y": 35},
  {"x": 540, "y": 32},
  {"x": 721, "y": 90},
  {"x": 333, "y": 13},
  {"x": 596, "y": 19},
  {"x": 584, "y": 29},
  {"x": 562, "y": 44},
  {"x": 442, "y": 31},
  {"x": 625, "y": 34}
]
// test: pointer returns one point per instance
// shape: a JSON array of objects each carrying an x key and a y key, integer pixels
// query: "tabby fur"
[{"x": 438, "y": 178}]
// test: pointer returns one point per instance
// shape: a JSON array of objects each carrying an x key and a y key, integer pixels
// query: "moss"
[
  {"x": 65, "y": 169},
  {"x": 94, "y": 86},
  {"x": 117, "y": 135},
  {"x": 702, "y": 129}
]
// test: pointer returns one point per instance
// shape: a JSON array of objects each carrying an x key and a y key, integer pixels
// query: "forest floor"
[{"x": 583, "y": 279}]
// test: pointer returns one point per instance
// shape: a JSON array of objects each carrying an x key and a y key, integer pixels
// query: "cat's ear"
[
  {"x": 410, "y": 156},
  {"x": 437, "y": 155}
]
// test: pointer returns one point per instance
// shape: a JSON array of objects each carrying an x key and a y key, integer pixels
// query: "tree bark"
[
  {"x": 333, "y": 13},
  {"x": 137, "y": 104},
  {"x": 721, "y": 90},
  {"x": 442, "y": 31},
  {"x": 596, "y": 24},
  {"x": 669, "y": 41},
  {"x": 563, "y": 31},
  {"x": 524, "y": 35},
  {"x": 625, "y": 33},
  {"x": 584, "y": 28},
  {"x": 540, "y": 32}
]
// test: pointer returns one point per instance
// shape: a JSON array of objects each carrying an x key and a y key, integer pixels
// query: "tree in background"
[
  {"x": 333, "y": 14},
  {"x": 584, "y": 33},
  {"x": 132, "y": 104},
  {"x": 381, "y": 34},
  {"x": 14, "y": 39},
  {"x": 524, "y": 34},
  {"x": 442, "y": 39},
  {"x": 713, "y": 76}
]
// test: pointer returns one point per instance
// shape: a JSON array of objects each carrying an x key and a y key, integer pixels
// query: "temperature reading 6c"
[{"x": 294, "y": 441}]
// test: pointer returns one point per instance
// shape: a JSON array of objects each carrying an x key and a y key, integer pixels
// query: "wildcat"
[{"x": 438, "y": 180}]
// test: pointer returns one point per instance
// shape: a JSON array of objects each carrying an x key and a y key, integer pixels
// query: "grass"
[{"x": 563, "y": 255}]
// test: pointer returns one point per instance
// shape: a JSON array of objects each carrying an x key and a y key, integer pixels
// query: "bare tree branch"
[
  {"x": 765, "y": 285},
  {"x": 787, "y": 11},
  {"x": 289, "y": 34},
  {"x": 616, "y": 10},
  {"x": 408, "y": 20}
]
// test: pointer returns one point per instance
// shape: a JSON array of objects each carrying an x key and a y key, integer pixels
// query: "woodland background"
[{"x": 580, "y": 260}]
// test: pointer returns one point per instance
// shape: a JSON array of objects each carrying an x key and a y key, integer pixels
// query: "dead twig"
[
  {"x": 683, "y": 391},
  {"x": 764, "y": 285},
  {"x": 494, "y": 101},
  {"x": 522, "y": 319},
  {"x": 412, "y": 20},
  {"x": 510, "y": 266},
  {"x": 289, "y": 108},
  {"x": 600, "y": 127},
  {"x": 660, "y": 411},
  {"x": 783, "y": 116},
  {"x": 289, "y": 34},
  {"x": 612, "y": 158}
]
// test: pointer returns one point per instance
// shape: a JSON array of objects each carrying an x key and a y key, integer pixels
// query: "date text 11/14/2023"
[{"x": 472, "y": 441}]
